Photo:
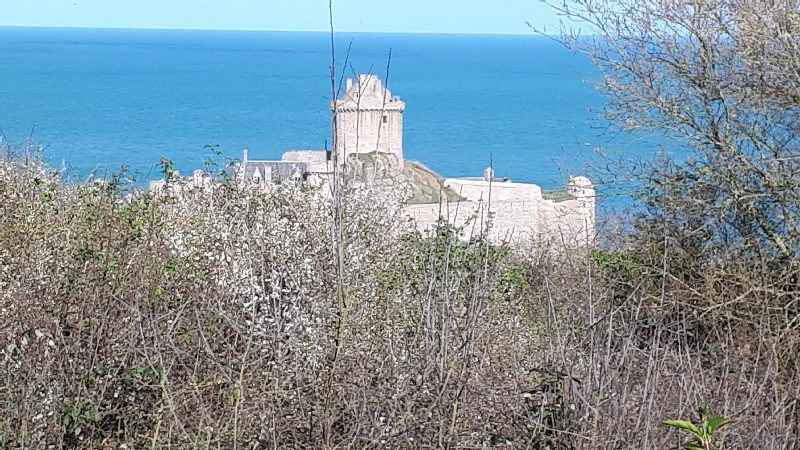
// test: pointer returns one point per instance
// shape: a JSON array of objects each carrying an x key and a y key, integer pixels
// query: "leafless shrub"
[
  {"x": 209, "y": 320},
  {"x": 697, "y": 303}
]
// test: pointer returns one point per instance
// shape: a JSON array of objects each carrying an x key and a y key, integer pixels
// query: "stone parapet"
[{"x": 515, "y": 213}]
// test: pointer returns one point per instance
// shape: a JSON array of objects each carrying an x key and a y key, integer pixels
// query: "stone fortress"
[
  {"x": 369, "y": 119},
  {"x": 368, "y": 143}
]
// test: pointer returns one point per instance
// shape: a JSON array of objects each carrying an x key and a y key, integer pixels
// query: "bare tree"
[{"x": 721, "y": 78}]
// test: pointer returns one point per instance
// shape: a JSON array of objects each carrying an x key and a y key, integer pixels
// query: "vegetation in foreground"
[
  {"x": 239, "y": 319},
  {"x": 224, "y": 320}
]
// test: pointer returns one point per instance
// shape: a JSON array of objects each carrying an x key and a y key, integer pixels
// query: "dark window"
[{"x": 385, "y": 119}]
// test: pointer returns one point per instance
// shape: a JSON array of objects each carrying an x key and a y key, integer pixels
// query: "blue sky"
[{"x": 427, "y": 16}]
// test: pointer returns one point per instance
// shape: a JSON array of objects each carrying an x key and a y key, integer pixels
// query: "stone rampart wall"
[
  {"x": 515, "y": 222},
  {"x": 475, "y": 190}
]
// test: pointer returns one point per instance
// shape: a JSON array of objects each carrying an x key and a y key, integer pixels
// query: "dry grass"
[{"x": 557, "y": 195}]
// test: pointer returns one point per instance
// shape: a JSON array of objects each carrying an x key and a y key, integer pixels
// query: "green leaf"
[
  {"x": 716, "y": 422},
  {"x": 92, "y": 415},
  {"x": 684, "y": 425},
  {"x": 693, "y": 447}
]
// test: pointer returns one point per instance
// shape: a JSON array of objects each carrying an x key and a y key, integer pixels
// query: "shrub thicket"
[{"x": 222, "y": 319}]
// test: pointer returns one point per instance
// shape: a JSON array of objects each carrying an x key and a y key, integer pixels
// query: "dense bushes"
[
  {"x": 216, "y": 320},
  {"x": 224, "y": 319}
]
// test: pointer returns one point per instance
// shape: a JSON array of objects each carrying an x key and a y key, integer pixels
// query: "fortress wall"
[
  {"x": 475, "y": 190},
  {"x": 566, "y": 222},
  {"x": 516, "y": 222}
]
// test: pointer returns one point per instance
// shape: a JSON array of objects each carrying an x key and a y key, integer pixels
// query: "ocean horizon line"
[
  {"x": 113, "y": 96},
  {"x": 252, "y": 30}
]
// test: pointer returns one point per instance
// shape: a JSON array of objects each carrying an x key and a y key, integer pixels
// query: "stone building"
[
  {"x": 369, "y": 136},
  {"x": 369, "y": 120},
  {"x": 369, "y": 126},
  {"x": 267, "y": 172},
  {"x": 518, "y": 213}
]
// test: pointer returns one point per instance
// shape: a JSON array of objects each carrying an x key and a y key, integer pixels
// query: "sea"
[{"x": 101, "y": 99}]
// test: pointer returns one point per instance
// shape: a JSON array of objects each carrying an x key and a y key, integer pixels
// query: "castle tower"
[
  {"x": 369, "y": 120},
  {"x": 583, "y": 190}
]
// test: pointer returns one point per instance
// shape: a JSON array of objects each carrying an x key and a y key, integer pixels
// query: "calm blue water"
[{"x": 102, "y": 98}]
